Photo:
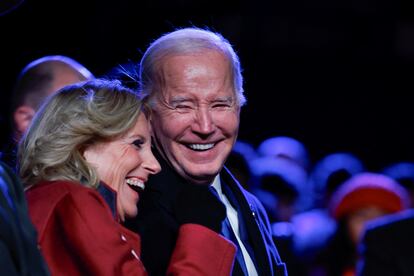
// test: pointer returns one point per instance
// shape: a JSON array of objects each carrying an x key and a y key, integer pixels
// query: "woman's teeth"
[{"x": 136, "y": 183}]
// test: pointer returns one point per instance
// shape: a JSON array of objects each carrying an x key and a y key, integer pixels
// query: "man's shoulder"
[
  {"x": 393, "y": 222},
  {"x": 13, "y": 187},
  {"x": 393, "y": 225},
  {"x": 7, "y": 173},
  {"x": 388, "y": 245}
]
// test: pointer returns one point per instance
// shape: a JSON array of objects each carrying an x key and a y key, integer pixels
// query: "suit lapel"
[
  {"x": 246, "y": 209},
  {"x": 249, "y": 218}
]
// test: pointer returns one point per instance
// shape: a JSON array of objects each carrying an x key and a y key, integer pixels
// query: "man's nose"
[{"x": 204, "y": 123}]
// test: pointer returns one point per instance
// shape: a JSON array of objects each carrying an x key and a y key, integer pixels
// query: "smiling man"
[{"x": 191, "y": 79}]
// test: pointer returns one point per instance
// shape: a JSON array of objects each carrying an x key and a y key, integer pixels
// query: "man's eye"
[
  {"x": 182, "y": 106},
  {"x": 222, "y": 105}
]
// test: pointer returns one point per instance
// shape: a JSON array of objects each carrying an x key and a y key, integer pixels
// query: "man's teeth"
[
  {"x": 136, "y": 183},
  {"x": 201, "y": 146}
]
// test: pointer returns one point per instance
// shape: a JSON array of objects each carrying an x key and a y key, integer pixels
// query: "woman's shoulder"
[
  {"x": 49, "y": 199},
  {"x": 48, "y": 195},
  {"x": 57, "y": 189}
]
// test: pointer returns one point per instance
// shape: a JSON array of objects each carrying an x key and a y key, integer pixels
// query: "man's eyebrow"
[
  {"x": 179, "y": 99},
  {"x": 228, "y": 99}
]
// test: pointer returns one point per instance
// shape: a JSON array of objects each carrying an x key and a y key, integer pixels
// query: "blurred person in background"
[
  {"x": 7, "y": 6},
  {"x": 363, "y": 198},
  {"x": 403, "y": 173},
  {"x": 19, "y": 254},
  {"x": 39, "y": 79},
  {"x": 387, "y": 248},
  {"x": 293, "y": 151},
  {"x": 285, "y": 147},
  {"x": 315, "y": 226},
  {"x": 279, "y": 185},
  {"x": 238, "y": 163}
]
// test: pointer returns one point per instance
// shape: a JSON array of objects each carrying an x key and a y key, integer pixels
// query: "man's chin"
[
  {"x": 198, "y": 173},
  {"x": 201, "y": 177}
]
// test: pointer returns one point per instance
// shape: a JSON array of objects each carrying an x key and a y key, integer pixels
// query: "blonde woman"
[{"x": 85, "y": 160}]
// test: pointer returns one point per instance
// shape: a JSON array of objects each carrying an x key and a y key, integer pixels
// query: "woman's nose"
[{"x": 151, "y": 164}]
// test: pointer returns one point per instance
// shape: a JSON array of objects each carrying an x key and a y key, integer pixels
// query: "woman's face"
[
  {"x": 124, "y": 164},
  {"x": 358, "y": 220}
]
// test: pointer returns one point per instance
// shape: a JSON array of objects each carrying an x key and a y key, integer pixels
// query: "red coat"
[{"x": 78, "y": 235}]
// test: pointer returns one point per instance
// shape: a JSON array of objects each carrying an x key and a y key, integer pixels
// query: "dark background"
[{"x": 336, "y": 75}]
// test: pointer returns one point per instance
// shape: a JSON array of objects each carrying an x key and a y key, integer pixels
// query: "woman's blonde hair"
[{"x": 70, "y": 120}]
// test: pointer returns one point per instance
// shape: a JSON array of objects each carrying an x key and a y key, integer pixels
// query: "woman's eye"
[{"x": 138, "y": 143}]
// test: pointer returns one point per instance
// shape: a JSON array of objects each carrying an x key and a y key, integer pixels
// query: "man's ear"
[{"x": 23, "y": 116}]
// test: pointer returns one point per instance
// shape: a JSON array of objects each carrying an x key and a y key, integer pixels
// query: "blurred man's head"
[{"x": 37, "y": 81}]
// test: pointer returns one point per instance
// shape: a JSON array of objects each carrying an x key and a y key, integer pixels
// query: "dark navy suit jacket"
[
  {"x": 19, "y": 254},
  {"x": 158, "y": 227},
  {"x": 388, "y": 246}
]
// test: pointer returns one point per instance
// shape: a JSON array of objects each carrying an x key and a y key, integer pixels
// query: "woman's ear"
[
  {"x": 22, "y": 117},
  {"x": 89, "y": 154}
]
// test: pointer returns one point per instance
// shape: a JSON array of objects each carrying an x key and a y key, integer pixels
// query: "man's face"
[{"x": 196, "y": 115}]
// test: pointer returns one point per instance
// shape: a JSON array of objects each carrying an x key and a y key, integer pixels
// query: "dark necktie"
[{"x": 227, "y": 232}]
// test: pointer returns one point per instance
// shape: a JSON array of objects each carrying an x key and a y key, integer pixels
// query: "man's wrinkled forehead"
[{"x": 165, "y": 81}]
